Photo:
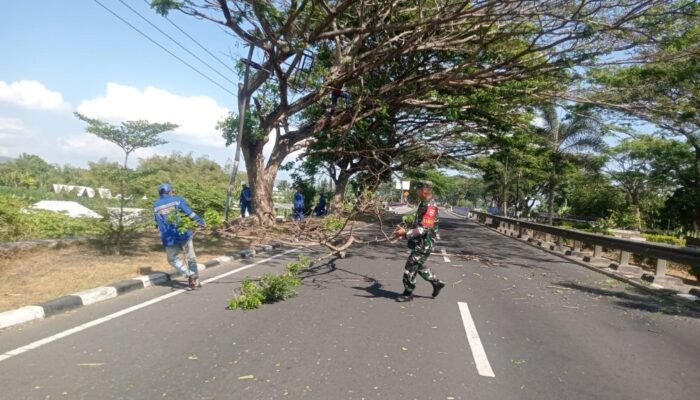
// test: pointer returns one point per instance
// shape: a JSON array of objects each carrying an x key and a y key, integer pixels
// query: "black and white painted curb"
[
  {"x": 691, "y": 299},
  {"x": 91, "y": 296}
]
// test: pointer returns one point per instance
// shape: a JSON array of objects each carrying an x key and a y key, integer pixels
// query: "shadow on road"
[
  {"x": 375, "y": 290},
  {"x": 636, "y": 299}
]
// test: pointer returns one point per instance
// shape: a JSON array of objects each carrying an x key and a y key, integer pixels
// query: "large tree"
[
  {"x": 661, "y": 85},
  {"x": 650, "y": 169},
  {"x": 409, "y": 48}
]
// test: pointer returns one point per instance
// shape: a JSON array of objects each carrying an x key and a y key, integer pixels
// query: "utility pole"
[{"x": 243, "y": 101}]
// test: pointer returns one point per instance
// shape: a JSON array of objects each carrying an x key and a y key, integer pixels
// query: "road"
[{"x": 548, "y": 329}]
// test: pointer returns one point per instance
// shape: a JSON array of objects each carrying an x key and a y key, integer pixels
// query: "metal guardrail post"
[
  {"x": 623, "y": 264},
  {"x": 660, "y": 268},
  {"x": 597, "y": 257},
  {"x": 624, "y": 259},
  {"x": 522, "y": 232}
]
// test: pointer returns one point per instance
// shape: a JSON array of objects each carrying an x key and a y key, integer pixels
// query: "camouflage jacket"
[{"x": 424, "y": 229}]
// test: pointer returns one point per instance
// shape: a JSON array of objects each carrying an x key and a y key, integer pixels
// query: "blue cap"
[{"x": 164, "y": 188}]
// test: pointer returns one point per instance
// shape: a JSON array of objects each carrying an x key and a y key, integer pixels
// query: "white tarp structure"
[
  {"x": 83, "y": 190},
  {"x": 104, "y": 193},
  {"x": 70, "y": 208},
  {"x": 86, "y": 191}
]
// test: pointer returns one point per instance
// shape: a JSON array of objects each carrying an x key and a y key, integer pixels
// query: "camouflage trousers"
[{"x": 415, "y": 265}]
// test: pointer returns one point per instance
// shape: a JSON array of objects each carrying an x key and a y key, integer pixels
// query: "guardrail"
[{"x": 553, "y": 238}]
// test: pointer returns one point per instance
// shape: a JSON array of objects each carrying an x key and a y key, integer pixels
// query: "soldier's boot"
[
  {"x": 437, "y": 287},
  {"x": 405, "y": 297}
]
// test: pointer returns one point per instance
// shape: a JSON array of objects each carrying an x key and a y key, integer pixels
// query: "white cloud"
[
  {"x": 89, "y": 145},
  {"x": 11, "y": 126},
  {"x": 31, "y": 94},
  {"x": 196, "y": 115},
  {"x": 13, "y": 131}
]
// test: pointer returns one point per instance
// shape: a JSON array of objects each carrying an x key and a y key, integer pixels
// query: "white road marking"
[
  {"x": 482, "y": 362},
  {"x": 99, "y": 321},
  {"x": 444, "y": 256}
]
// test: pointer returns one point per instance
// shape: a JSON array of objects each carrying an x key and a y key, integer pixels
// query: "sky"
[{"x": 60, "y": 57}]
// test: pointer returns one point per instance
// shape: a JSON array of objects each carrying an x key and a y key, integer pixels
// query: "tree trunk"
[
  {"x": 261, "y": 180},
  {"x": 120, "y": 231},
  {"x": 339, "y": 195},
  {"x": 696, "y": 211},
  {"x": 638, "y": 218},
  {"x": 550, "y": 197},
  {"x": 518, "y": 199}
]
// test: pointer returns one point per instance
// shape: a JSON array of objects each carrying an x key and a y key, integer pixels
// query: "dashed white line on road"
[
  {"x": 482, "y": 362},
  {"x": 99, "y": 321},
  {"x": 444, "y": 256}
]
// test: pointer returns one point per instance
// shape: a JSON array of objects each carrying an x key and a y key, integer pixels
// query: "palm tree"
[{"x": 574, "y": 135}]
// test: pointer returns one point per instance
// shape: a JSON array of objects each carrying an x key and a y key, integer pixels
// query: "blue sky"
[{"x": 65, "y": 56}]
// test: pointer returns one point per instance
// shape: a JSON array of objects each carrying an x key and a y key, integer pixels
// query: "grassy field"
[{"x": 41, "y": 274}]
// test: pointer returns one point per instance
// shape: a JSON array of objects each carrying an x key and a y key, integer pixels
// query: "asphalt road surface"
[{"x": 513, "y": 323}]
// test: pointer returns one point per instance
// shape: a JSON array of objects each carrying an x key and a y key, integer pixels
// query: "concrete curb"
[
  {"x": 686, "y": 299},
  {"x": 102, "y": 293}
]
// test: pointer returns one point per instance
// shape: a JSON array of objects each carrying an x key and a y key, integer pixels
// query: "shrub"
[
  {"x": 212, "y": 218},
  {"x": 271, "y": 288},
  {"x": 278, "y": 287},
  {"x": 602, "y": 226},
  {"x": 250, "y": 297},
  {"x": 664, "y": 239},
  {"x": 18, "y": 224}
]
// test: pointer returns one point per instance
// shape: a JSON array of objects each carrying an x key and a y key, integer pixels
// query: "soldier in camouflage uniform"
[{"x": 421, "y": 238}]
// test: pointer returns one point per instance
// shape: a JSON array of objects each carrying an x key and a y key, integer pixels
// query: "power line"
[
  {"x": 196, "y": 42},
  {"x": 164, "y": 49},
  {"x": 176, "y": 42}
]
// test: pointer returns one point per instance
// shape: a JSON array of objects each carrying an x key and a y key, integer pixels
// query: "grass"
[{"x": 42, "y": 274}]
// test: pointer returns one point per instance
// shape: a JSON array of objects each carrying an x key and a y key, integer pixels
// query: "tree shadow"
[{"x": 639, "y": 300}]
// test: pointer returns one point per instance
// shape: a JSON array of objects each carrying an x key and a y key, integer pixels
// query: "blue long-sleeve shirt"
[
  {"x": 298, "y": 200},
  {"x": 162, "y": 209},
  {"x": 246, "y": 195}
]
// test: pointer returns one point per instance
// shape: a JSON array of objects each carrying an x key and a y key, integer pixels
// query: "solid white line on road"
[
  {"x": 482, "y": 362},
  {"x": 444, "y": 256},
  {"x": 79, "y": 328}
]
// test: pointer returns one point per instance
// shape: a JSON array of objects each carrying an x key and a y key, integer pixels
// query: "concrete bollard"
[
  {"x": 558, "y": 245},
  {"x": 622, "y": 265},
  {"x": 660, "y": 267},
  {"x": 660, "y": 277},
  {"x": 597, "y": 257},
  {"x": 522, "y": 233},
  {"x": 576, "y": 250}
]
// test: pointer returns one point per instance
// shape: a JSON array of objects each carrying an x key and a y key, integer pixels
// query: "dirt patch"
[{"x": 41, "y": 274}]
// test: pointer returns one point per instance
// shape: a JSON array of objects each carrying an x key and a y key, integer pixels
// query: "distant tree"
[
  {"x": 130, "y": 136},
  {"x": 27, "y": 171},
  {"x": 649, "y": 169},
  {"x": 283, "y": 186},
  {"x": 576, "y": 133}
]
